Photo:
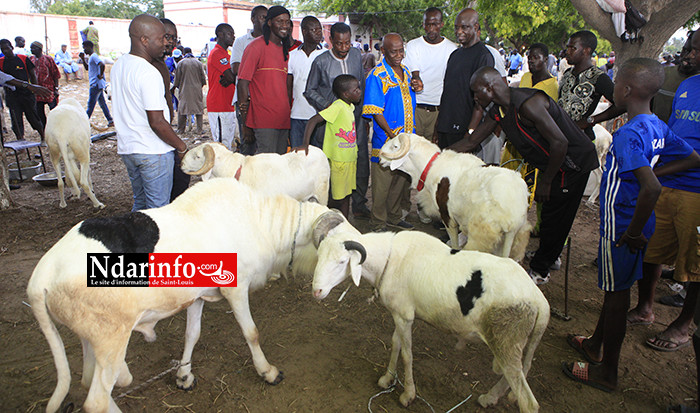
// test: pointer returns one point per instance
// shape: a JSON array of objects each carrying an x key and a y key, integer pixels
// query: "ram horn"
[
  {"x": 209, "y": 157},
  {"x": 324, "y": 223},
  {"x": 356, "y": 246},
  {"x": 403, "y": 149},
  {"x": 98, "y": 128}
]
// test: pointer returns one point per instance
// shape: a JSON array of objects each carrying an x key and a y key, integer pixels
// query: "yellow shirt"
[{"x": 549, "y": 86}]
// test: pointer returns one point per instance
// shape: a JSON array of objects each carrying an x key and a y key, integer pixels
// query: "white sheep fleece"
[
  {"x": 417, "y": 276},
  {"x": 220, "y": 215},
  {"x": 488, "y": 204},
  {"x": 68, "y": 139},
  {"x": 295, "y": 174}
]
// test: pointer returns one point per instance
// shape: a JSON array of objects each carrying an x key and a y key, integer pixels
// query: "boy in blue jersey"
[{"x": 629, "y": 190}]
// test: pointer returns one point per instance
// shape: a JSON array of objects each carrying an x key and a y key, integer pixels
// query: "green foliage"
[
  {"x": 379, "y": 16},
  {"x": 693, "y": 22},
  {"x": 118, "y": 9}
]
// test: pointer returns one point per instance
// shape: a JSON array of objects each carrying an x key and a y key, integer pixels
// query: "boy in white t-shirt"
[{"x": 145, "y": 139}]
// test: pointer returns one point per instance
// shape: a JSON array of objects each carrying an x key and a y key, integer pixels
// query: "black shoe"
[
  {"x": 13, "y": 186},
  {"x": 361, "y": 212},
  {"x": 668, "y": 274},
  {"x": 401, "y": 225},
  {"x": 439, "y": 225}
]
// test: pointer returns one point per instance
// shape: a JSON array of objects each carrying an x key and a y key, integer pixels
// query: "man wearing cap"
[
  {"x": 64, "y": 60},
  {"x": 47, "y": 75},
  {"x": 264, "y": 95},
  {"x": 189, "y": 79}
]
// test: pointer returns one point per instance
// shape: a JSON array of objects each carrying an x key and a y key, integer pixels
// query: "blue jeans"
[
  {"x": 296, "y": 133},
  {"x": 96, "y": 95},
  {"x": 151, "y": 178}
]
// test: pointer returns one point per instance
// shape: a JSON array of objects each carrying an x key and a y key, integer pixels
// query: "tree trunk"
[{"x": 664, "y": 17}]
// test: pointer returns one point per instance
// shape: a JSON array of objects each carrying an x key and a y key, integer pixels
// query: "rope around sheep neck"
[{"x": 294, "y": 241}]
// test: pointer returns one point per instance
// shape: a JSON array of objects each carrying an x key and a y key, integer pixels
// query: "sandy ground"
[{"x": 331, "y": 353}]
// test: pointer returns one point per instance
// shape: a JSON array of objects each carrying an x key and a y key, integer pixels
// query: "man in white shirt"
[
  {"x": 426, "y": 58},
  {"x": 145, "y": 140},
  {"x": 299, "y": 66},
  {"x": 257, "y": 17}
]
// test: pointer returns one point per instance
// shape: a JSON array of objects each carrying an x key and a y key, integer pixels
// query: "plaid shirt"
[{"x": 47, "y": 75}]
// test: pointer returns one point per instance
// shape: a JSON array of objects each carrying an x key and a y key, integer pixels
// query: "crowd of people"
[{"x": 273, "y": 93}]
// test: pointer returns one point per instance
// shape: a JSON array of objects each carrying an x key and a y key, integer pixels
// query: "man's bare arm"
[
  {"x": 165, "y": 132},
  {"x": 470, "y": 142}
]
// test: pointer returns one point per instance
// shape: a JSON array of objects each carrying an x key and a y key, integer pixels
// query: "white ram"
[
  {"x": 217, "y": 216},
  {"x": 298, "y": 175},
  {"x": 603, "y": 140},
  {"x": 489, "y": 204},
  {"x": 461, "y": 292},
  {"x": 68, "y": 138}
]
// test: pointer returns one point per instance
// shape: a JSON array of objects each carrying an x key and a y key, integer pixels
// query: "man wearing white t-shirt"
[
  {"x": 426, "y": 58},
  {"x": 299, "y": 66},
  {"x": 257, "y": 17},
  {"x": 145, "y": 140}
]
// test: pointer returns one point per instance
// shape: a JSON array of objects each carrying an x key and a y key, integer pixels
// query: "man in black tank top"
[{"x": 549, "y": 140}]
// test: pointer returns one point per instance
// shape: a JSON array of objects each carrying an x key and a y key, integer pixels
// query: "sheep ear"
[
  {"x": 355, "y": 267},
  {"x": 397, "y": 163}
]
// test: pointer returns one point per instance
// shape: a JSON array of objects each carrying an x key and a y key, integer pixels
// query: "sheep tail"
[
  {"x": 37, "y": 300},
  {"x": 519, "y": 245},
  {"x": 536, "y": 334}
]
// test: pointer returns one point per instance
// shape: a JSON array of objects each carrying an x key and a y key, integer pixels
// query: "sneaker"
[
  {"x": 557, "y": 264},
  {"x": 537, "y": 278},
  {"x": 401, "y": 225}
]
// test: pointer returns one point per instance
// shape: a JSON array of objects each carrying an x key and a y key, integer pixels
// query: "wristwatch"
[{"x": 590, "y": 120}]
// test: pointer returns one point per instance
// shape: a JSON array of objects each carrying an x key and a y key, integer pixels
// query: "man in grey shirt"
[{"x": 341, "y": 59}]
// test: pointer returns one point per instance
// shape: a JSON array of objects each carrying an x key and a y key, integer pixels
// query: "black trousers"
[
  {"x": 359, "y": 195},
  {"x": 41, "y": 110},
  {"x": 181, "y": 181},
  {"x": 20, "y": 105},
  {"x": 557, "y": 218},
  {"x": 447, "y": 139}
]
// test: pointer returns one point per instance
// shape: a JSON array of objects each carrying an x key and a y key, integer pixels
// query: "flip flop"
[
  {"x": 638, "y": 322},
  {"x": 579, "y": 372},
  {"x": 677, "y": 345},
  {"x": 576, "y": 342}
]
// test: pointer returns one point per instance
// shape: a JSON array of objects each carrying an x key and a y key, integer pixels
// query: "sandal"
[
  {"x": 576, "y": 342},
  {"x": 666, "y": 345},
  {"x": 578, "y": 371}
]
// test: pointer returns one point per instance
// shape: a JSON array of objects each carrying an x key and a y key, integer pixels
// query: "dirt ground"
[{"x": 332, "y": 353}]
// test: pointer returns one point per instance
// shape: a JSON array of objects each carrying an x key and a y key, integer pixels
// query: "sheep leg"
[
  {"x": 55, "y": 156},
  {"x": 388, "y": 378},
  {"x": 409, "y": 393},
  {"x": 516, "y": 379},
  {"x": 109, "y": 364},
  {"x": 185, "y": 380},
  {"x": 88, "y": 363},
  {"x": 238, "y": 299},
  {"x": 453, "y": 232},
  {"x": 86, "y": 183}
]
